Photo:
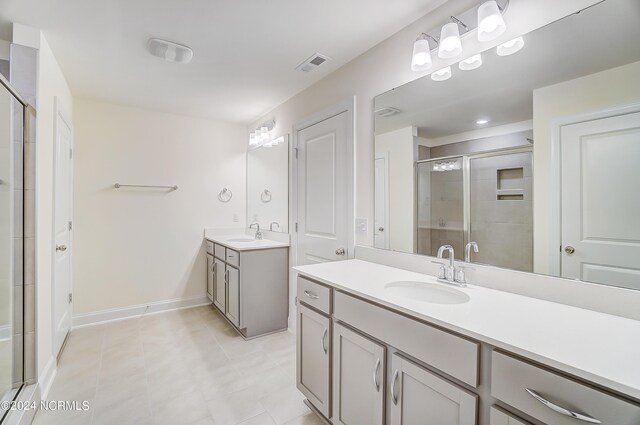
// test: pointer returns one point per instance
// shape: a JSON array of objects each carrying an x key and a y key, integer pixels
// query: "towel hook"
[
  {"x": 223, "y": 192},
  {"x": 265, "y": 196}
]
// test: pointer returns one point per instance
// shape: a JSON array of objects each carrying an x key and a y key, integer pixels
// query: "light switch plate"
[{"x": 362, "y": 226}]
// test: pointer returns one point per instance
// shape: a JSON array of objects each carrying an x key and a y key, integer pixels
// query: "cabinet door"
[
  {"x": 417, "y": 396},
  {"x": 313, "y": 359},
  {"x": 210, "y": 276},
  {"x": 233, "y": 295},
  {"x": 498, "y": 417},
  {"x": 220, "y": 287},
  {"x": 358, "y": 374}
]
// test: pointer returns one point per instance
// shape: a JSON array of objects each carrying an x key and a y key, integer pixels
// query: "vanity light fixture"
[
  {"x": 450, "y": 44},
  {"x": 510, "y": 47},
  {"x": 442, "y": 74},
  {"x": 490, "y": 21},
  {"x": 471, "y": 63},
  {"x": 421, "y": 58},
  {"x": 261, "y": 135}
]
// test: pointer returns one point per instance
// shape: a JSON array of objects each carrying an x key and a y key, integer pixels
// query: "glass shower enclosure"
[
  {"x": 12, "y": 118},
  {"x": 483, "y": 197}
]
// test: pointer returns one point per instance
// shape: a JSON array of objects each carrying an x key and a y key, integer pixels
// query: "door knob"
[
  {"x": 569, "y": 249},
  {"x": 380, "y": 229},
  {"x": 61, "y": 247},
  {"x": 340, "y": 251}
]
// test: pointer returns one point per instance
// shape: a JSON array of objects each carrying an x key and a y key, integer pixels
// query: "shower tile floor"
[{"x": 177, "y": 368}]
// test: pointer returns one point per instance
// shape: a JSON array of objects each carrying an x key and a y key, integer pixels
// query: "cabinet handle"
[
  {"x": 562, "y": 410},
  {"x": 375, "y": 375},
  {"x": 324, "y": 335},
  {"x": 394, "y": 397},
  {"x": 311, "y": 295}
]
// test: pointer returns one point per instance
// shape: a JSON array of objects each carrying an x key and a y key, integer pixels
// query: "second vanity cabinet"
[
  {"x": 249, "y": 287},
  {"x": 386, "y": 367}
]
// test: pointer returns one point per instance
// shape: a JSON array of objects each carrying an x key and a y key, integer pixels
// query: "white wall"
[
  {"x": 592, "y": 93},
  {"x": 401, "y": 149},
  {"x": 386, "y": 66},
  {"x": 51, "y": 84},
  {"x": 134, "y": 247}
]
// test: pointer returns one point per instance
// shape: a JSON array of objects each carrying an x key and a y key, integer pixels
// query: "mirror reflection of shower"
[{"x": 483, "y": 197}]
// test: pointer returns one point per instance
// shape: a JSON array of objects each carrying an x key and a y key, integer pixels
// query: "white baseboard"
[
  {"x": 47, "y": 376},
  {"x": 88, "y": 319}
]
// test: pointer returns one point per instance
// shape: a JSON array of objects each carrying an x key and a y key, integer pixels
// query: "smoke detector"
[
  {"x": 386, "y": 112},
  {"x": 312, "y": 62},
  {"x": 170, "y": 51}
]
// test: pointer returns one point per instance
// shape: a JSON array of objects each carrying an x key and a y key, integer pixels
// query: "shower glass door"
[
  {"x": 11, "y": 243},
  {"x": 440, "y": 205}
]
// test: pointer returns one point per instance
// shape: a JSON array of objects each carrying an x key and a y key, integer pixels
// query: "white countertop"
[
  {"x": 597, "y": 347},
  {"x": 252, "y": 244}
]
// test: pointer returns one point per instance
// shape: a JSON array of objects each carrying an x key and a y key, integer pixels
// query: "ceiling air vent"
[
  {"x": 169, "y": 51},
  {"x": 312, "y": 62},
  {"x": 386, "y": 112}
]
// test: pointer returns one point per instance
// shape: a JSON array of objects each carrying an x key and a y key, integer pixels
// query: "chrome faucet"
[
  {"x": 467, "y": 251},
  {"x": 448, "y": 273},
  {"x": 258, "y": 232},
  {"x": 271, "y": 225}
]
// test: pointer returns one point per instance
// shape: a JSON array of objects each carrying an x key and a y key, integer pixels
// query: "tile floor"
[{"x": 177, "y": 368}]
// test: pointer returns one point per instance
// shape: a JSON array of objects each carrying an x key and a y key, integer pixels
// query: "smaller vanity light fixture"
[
  {"x": 490, "y": 21},
  {"x": 446, "y": 166},
  {"x": 510, "y": 47},
  {"x": 471, "y": 63},
  {"x": 261, "y": 135},
  {"x": 450, "y": 44},
  {"x": 441, "y": 74}
]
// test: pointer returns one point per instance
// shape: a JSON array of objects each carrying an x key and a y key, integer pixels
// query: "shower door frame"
[{"x": 466, "y": 184}]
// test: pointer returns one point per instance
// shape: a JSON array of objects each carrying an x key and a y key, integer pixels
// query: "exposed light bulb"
[
  {"x": 421, "y": 59},
  {"x": 510, "y": 47},
  {"x": 441, "y": 74},
  {"x": 450, "y": 44},
  {"x": 471, "y": 63},
  {"x": 490, "y": 21}
]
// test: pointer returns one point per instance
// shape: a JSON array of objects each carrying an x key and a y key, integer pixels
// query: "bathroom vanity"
[
  {"x": 380, "y": 345},
  {"x": 247, "y": 281}
]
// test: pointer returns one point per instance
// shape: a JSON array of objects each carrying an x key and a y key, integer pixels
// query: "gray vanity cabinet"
[
  {"x": 219, "y": 290},
  {"x": 313, "y": 358},
  {"x": 210, "y": 276},
  {"x": 251, "y": 288},
  {"x": 233, "y": 295},
  {"x": 415, "y": 394},
  {"x": 498, "y": 417},
  {"x": 358, "y": 378}
]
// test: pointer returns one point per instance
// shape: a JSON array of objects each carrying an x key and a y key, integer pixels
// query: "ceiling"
[
  {"x": 501, "y": 90},
  {"x": 245, "y": 51}
]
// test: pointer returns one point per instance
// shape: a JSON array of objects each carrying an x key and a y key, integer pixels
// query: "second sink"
[{"x": 427, "y": 292}]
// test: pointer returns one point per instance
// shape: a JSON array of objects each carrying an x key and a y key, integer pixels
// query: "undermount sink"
[
  {"x": 427, "y": 292},
  {"x": 241, "y": 240}
]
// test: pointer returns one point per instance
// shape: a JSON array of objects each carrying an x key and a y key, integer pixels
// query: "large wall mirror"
[
  {"x": 268, "y": 185},
  {"x": 534, "y": 156}
]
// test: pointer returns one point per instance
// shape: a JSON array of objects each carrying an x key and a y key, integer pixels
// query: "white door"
[
  {"x": 381, "y": 224},
  {"x": 62, "y": 234},
  {"x": 601, "y": 201},
  {"x": 322, "y": 191}
]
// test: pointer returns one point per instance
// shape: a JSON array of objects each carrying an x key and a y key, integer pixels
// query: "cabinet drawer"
[
  {"x": 220, "y": 252},
  {"x": 498, "y": 417},
  {"x": 233, "y": 258},
  {"x": 454, "y": 355},
  {"x": 314, "y": 295},
  {"x": 511, "y": 378},
  {"x": 209, "y": 247}
]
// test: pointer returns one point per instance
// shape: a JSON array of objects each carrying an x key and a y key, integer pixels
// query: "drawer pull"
[
  {"x": 375, "y": 375},
  {"x": 324, "y": 336},
  {"x": 311, "y": 295},
  {"x": 562, "y": 410},
  {"x": 394, "y": 397}
]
